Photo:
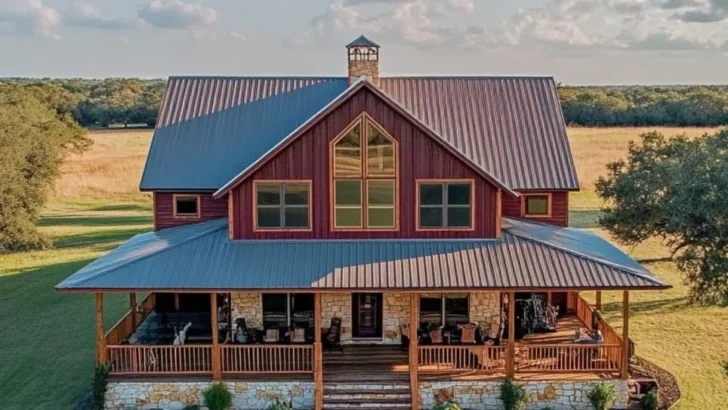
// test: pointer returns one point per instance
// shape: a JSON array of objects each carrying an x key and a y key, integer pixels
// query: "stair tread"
[
  {"x": 343, "y": 392},
  {"x": 375, "y": 400}
]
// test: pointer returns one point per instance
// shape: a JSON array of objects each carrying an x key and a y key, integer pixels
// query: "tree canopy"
[
  {"x": 36, "y": 128},
  {"x": 675, "y": 189}
]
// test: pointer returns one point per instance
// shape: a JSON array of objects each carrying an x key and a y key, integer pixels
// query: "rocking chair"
[{"x": 332, "y": 337}]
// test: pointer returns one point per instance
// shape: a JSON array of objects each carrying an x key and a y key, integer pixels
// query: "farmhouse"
[{"x": 361, "y": 241}]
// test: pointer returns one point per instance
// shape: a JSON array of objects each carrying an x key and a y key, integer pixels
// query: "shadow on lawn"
[
  {"x": 102, "y": 220},
  {"x": 123, "y": 207},
  {"x": 661, "y": 306},
  {"x": 96, "y": 239}
]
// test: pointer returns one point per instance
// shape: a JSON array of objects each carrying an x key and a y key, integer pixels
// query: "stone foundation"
[
  {"x": 485, "y": 395},
  {"x": 177, "y": 395}
]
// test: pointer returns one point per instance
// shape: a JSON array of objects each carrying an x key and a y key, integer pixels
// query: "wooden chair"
[
  {"x": 272, "y": 336},
  {"x": 298, "y": 335},
  {"x": 436, "y": 336},
  {"x": 468, "y": 333},
  {"x": 404, "y": 331},
  {"x": 332, "y": 337}
]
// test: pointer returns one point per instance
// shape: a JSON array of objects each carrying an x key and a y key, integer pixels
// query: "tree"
[
  {"x": 34, "y": 134},
  {"x": 675, "y": 189}
]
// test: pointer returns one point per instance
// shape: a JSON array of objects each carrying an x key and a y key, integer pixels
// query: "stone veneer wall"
[
  {"x": 396, "y": 307},
  {"x": 485, "y": 311},
  {"x": 177, "y": 395},
  {"x": 248, "y": 305},
  {"x": 484, "y": 395},
  {"x": 337, "y": 305}
]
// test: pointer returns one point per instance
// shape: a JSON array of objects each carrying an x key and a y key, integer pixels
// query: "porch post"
[
  {"x": 599, "y": 300},
  {"x": 414, "y": 359},
  {"x": 624, "y": 374},
  {"x": 100, "y": 339},
  {"x": 511, "y": 349},
  {"x": 216, "y": 368},
  {"x": 132, "y": 308},
  {"x": 318, "y": 357}
]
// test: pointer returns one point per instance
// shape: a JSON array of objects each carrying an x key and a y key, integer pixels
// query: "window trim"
[
  {"x": 254, "y": 204},
  {"x": 363, "y": 177},
  {"x": 419, "y": 182},
  {"x": 177, "y": 215},
  {"x": 524, "y": 208},
  {"x": 443, "y": 296}
]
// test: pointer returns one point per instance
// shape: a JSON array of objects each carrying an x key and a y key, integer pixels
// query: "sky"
[{"x": 576, "y": 41}]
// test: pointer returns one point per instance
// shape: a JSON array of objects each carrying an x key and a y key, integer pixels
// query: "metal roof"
[
  {"x": 201, "y": 257},
  {"x": 362, "y": 41},
  {"x": 212, "y": 128}
]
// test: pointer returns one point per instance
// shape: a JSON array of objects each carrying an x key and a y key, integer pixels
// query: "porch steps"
[{"x": 345, "y": 396}]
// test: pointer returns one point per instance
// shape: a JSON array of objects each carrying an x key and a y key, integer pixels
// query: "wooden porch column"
[
  {"x": 624, "y": 374},
  {"x": 132, "y": 307},
  {"x": 216, "y": 365},
  {"x": 599, "y": 300},
  {"x": 100, "y": 339},
  {"x": 511, "y": 348},
  {"x": 414, "y": 359},
  {"x": 318, "y": 356}
]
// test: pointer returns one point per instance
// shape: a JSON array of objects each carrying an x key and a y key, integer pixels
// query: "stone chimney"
[{"x": 363, "y": 57}]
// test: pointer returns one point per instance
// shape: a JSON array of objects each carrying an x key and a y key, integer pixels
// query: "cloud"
[
  {"x": 679, "y": 4},
  {"x": 711, "y": 11},
  {"x": 29, "y": 17},
  {"x": 119, "y": 39},
  {"x": 86, "y": 15},
  {"x": 177, "y": 14},
  {"x": 669, "y": 41}
]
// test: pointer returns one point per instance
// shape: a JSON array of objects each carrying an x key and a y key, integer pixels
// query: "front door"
[{"x": 366, "y": 314}]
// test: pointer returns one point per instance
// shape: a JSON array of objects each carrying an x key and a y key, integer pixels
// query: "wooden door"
[{"x": 366, "y": 315}]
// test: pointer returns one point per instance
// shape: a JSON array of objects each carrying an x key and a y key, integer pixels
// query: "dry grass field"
[{"x": 48, "y": 365}]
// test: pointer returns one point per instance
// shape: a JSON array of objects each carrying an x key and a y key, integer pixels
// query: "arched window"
[{"x": 364, "y": 177}]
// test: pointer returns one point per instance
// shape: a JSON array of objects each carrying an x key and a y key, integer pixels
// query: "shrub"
[
  {"x": 601, "y": 396},
  {"x": 448, "y": 405},
  {"x": 513, "y": 396},
  {"x": 99, "y": 389},
  {"x": 281, "y": 405},
  {"x": 650, "y": 401},
  {"x": 218, "y": 397}
]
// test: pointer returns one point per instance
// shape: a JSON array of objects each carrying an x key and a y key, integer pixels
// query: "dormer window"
[
  {"x": 536, "y": 205},
  {"x": 364, "y": 177},
  {"x": 186, "y": 206}
]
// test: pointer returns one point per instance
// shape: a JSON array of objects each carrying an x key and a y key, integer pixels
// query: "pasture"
[{"x": 47, "y": 341}]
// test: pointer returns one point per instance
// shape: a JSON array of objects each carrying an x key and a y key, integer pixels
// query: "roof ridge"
[
  {"x": 583, "y": 255},
  {"x": 206, "y": 232}
]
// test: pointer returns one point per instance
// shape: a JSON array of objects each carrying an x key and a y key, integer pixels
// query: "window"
[
  {"x": 282, "y": 205},
  {"x": 287, "y": 310},
  {"x": 447, "y": 310},
  {"x": 537, "y": 205},
  {"x": 445, "y": 205},
  {"x": 364, "y": 177},
  {"x": 186, "y": 206}
]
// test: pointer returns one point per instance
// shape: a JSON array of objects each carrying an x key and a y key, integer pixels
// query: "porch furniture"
[
  {"x": 468, "y": 333},
  {"x": 332, "y": 337},
  {"x": 298, "y": 335},
  {"x": 436, "y": 337},
  {"x": 272, "y": 336},
  {"x": 404, "y": 331}
]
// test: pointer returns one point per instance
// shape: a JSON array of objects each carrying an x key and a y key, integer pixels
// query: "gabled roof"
[
  {"x": 201, "y": 257},
  {"x": 362, "y": 41},
  {"x": 212, "y": 128}
]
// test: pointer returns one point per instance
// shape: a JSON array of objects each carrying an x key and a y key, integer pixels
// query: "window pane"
[
  {"x": 347, "y": 153},
  {"x": 348, "y": 218},
  {"x": 296, "y": 194},
  {"x": 430, "y": 311},
  {"x": 302, "y": 310},
  {"x": 537, "y": 205},
  {"x": 381, "y": 192},
  {"x": 348, "y": 192},
  {"x": 269, "y": 194},
  {"x": 430, "y": 217},
  {"x": 430, "y": 194},
  {"x": 380, "y": 152},
  {"x": 275, "y": 311},
  {"x": 458, "y": 217},
  {"x": 296, "y": 217},
  {"x": 458, "y": 194},
  {"x": 187, "y": 205},
  {"x": 269, "y": 217},
  {"x": 380, "y": 218},
  {"x": 456, "y": 310}
]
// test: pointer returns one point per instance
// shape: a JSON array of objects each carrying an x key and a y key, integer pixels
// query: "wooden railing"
[
  {"x": 437, "y": 358},
  {"x": 125, "y": 326},
  {"x": 143, "y": 359},
  {"x": 571, "y": 358},
  {"x": 267, "y": 358},
  {"x": 585, "y": 312}
]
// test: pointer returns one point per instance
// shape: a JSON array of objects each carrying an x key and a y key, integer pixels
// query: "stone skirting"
[
  {"x": 176, "y": 395},
  {"x": 485, "y": 395}
]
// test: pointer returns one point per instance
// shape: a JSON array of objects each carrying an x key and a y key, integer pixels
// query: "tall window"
[
  {"x": 282, "y": 205},
  {"x": 445, "y": 205},
  {"x": 364, "y": 177},
  {"x": 447, "y": 310}
]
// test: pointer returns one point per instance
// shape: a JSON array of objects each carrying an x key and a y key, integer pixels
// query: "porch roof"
[{"x": 200, "y": 257}]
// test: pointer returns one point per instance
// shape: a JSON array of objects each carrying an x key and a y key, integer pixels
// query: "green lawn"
[{"x": 47, "y": 342}]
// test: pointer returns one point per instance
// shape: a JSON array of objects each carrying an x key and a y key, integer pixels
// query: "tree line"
[{"x": 126, "y": 101}]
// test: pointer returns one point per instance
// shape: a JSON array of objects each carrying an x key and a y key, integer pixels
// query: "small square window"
[
  {"x": 537, "y": 205},
  {"x": 282, "y": 205},
  {"x": 445, "y": 205},
  {"x": 186, "y": 206}
]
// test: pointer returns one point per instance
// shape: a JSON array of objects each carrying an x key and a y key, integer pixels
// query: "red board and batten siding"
[
  {"x": 559, "y": 208},
  {"x": 420, "y": 158},
  {"x": 210, "y": 209}
]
